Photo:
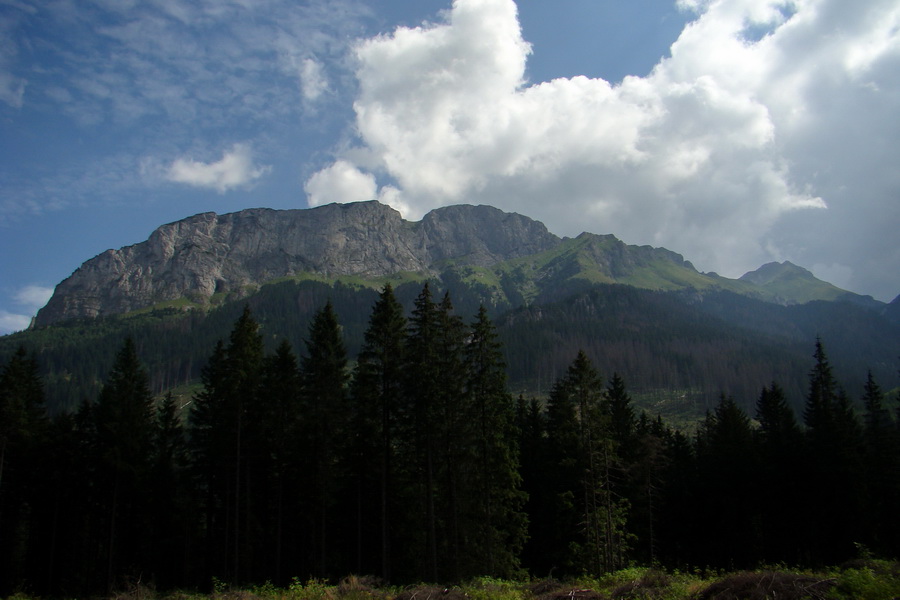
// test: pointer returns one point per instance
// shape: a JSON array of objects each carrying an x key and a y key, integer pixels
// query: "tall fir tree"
[
  {"x": 286, "y": 474},
  {"x": 499, "y": 523},
  {"x": 882, "y": 470},
  {"x": 209, "y": 443},
  {"x": 592, "y": 516},
  {"x": 324, "y": 380},
  {"x": 227, "y": 430},
  {"x": 779, "y": 442},
  {"x": 728, "y": 469},
  {"x": 124, "y": 424},
  {"x": 377, "y": 395},
  {"x": 833, "y": 467},
  {"x": 172, "y": 508},
  {"x": 422, "y": 425},
  {"x": 23, "y": 430}
]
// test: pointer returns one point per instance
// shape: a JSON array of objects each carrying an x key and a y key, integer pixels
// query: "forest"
[{"x": 410, "y": 460}]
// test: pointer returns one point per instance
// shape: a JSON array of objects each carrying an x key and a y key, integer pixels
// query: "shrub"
[
  {"x": 431, "y": 592},
  {"x": 652, "y": 585},
  {"x": 768, "y": 584}
]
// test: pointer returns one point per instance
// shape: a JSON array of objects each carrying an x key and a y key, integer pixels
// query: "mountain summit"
[
  {"x": 210, "y": 254},
  {"x": 514, "y": 259}
]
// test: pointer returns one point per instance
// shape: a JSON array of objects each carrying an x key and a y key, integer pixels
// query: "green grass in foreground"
[{"x": 859, "y": 580}]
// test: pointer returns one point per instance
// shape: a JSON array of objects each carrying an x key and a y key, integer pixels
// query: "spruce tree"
[
  {"x": 376, "y": 395},
  {"x": 172, "y": 508},
  {"x": 227, "y": 430},
  {"x": 422, "y": 427},
  {"x": 882, "y": 470},
  {"x": 209, "y": 444},
  {"x": 780, "y": 444},
  {"x": 124, "y": 423},
  {"x": 728, "y": 470},
  {"x": 499, "y": 525},
  {"x": 324, "y": 380},
  {"x": 23, "y": 429},
  {"x": 577, "y": 422},
  {"x": 833, "y": 467},
  {"x": 287, "y": 470},
  {"x": 458, "y": 536}
]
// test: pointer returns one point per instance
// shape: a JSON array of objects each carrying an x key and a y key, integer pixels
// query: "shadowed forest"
[{"x": 415, "y": 463}]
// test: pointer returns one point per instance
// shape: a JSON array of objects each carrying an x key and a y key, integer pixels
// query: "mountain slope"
[
  {"x": 208, "y": 254},
  {"x": 790, "y": 284},
  {"x": 512, "y": 260}
]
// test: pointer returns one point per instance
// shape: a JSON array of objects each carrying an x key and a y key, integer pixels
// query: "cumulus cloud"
[
  {"x": 756, "y": 120},
  {"x": 341, "y": 182},
  {"x": 234, "y": 170}
]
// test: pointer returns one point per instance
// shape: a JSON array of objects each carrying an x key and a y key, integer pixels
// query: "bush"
[
  {"x": 652, "y": 585},
  {"x": 768, "y": 584},
  {"x": 869, "y": 580}
]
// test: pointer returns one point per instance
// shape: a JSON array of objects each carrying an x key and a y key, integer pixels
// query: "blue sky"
[{"x": 735, "y": 132}]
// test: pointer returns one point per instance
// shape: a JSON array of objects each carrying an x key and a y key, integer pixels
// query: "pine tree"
[
  {"x": 209, "y": 444},
  {"x": 377, "y": 393},
  {"x": 455, "y": 430},
  {"x": 171, "y": 505},
  {"x": 422, "y": 395},
  {"x": 780, "y": 445},
  {"x": 537, "y": 474},
  {"x": 820, "y": 401},
  {"x": 124, "y": 422},
  {"x": 23, "y": 429},
  {"x": 227, "y": 422},
  {"x": 324, "y": 379},
  {"x": 882, "y": 470},
  {"x": 499, "y": 523},
  {"x": 728, "y": 470},
  {"x": 287, "y": 467},
  {"x": 833, "y": 467},
  {"x": 576, "y": 420}
]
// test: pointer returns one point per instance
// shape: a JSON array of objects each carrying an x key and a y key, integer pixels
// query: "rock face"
[{"x": 209, "y": 253}]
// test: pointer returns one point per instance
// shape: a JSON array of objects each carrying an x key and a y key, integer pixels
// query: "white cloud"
[
  {"x": 12, "y": 90},
  {"x": 29, "y": 299},
  {"x": 312, "y": 80},
  {"x": 709, "y": 155},
  {"x": 235, "y": 169},
  {"x": 33, "y": 297},
  {"x": 11, "y": 322},
  {"x": 341, "y": 182}
]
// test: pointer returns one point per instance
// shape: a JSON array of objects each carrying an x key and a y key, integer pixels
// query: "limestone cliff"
[{"x": 209, "y": 253}]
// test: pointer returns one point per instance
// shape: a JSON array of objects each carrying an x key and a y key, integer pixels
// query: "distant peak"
[{"x": 775, "y": 270}]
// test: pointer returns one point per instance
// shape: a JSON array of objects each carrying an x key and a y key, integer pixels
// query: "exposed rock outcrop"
[{"x": 208, "y": 253}]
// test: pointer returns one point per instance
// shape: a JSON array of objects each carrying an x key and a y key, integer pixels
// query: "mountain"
[
  {"x": 790, "y": 284},
  {"x": 679, "y": 337},
  {"x": 204, "y": 259},
  {"x": 208, "y": 254}
]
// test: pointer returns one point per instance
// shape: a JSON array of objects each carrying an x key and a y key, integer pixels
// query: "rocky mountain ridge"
[
  {"x": 210, "y": 254},
  {"x": 510, "y": 255}
]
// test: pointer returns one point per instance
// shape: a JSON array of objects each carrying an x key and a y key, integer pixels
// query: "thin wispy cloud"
[
  {"x": 170, "y": 76},
  {"x": 313, "y": 82}
]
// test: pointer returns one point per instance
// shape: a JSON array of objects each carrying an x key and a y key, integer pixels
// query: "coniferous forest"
[{"x": 411, "y": 461}]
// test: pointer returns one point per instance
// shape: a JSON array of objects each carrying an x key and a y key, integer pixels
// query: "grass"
[{"x": 858, "y": 580}]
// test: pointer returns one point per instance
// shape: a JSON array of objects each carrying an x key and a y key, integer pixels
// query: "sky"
[{"x": 734, "y": 132}]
